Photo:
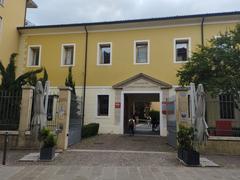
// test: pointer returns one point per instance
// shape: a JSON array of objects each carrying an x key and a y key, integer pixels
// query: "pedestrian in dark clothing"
[{"x": 131, "y": 126}]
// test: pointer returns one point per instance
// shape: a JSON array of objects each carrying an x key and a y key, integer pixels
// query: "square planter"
[
  {"x": 191, "y": 157},
  {"x": 47, "y": 153}
]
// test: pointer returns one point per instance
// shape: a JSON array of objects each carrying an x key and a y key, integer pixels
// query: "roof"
[
  {"x": 31, "y": 4},
  {"x": 195, "y": 16},
  {"x": 163, "y": 85}
]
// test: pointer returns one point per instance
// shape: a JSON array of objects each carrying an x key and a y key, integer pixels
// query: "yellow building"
[
  {"x": 12, "y": 15},
  {"x": 117, "y": 65}
]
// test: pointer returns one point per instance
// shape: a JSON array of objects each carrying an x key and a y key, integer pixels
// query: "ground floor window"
[
  {"x": 226, "y": 106},
  {"x": 103, "y": 105}
]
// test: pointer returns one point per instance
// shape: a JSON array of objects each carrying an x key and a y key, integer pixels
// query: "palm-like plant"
[{"x": 9, "y": 80}]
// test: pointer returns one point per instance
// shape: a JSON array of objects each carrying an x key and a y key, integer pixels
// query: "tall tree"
[
  {"x": 9, "y": 81},
  {"x": 33, "y": 79},
  {"x": 69, "y": 80},
  {"x": 216, "y": 66}
]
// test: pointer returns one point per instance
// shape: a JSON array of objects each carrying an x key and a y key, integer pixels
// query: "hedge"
[{"x": 90, "y": 130}]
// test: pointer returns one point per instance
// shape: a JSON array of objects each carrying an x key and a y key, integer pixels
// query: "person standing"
[{"x": 131, "y": 125}]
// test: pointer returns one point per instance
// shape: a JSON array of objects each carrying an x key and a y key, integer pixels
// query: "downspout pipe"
[
  {"x": 85, "y": 74},
  {"x": 202, "y": 31}
]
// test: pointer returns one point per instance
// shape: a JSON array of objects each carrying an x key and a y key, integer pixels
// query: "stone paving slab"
[{"x": 116, "y": 173}]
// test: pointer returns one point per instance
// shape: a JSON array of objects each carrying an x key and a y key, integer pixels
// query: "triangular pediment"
[{"x": 142, "y": 80}]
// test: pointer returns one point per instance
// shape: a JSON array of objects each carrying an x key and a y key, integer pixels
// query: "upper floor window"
[
  {"x": 1, "y": 25},
  {"x": 103, "y": 105},
  {"x": 68, "y": 54},
  {"x": 181, "y": 50},
  {"x": 141, "y": 52},
  {"x": 104, "y": 54},
  {"x": 34, "y": 55},
  {"x": 1, "y": 2}
]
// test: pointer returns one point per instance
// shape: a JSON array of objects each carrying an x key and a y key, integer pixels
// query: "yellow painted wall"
[
  {"x": 161, "y": 65},
  {"x": 12, "y": 13},
  {"x": 51, "y": 46}
]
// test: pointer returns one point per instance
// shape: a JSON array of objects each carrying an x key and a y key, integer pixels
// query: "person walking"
[{"x": 131, "y": 125}]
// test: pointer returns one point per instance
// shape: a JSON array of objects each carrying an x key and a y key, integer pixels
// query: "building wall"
[
  {"x": 161, "y": 65},
  {"x": 51, "y": 46},
  {"x": 100, "y": 79},
  {"x": 12, "y": 13}
]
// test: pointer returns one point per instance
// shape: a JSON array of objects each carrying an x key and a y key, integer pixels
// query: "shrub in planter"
[
  {"x": 186, "y": 151},
  {"x": 49, "y": 141},
  {"x": 90, "y": 130}
]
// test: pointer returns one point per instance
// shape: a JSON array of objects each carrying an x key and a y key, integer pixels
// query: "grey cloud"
[{"x": 76, "y": 11}]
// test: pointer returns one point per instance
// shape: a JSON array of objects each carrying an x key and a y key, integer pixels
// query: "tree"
[
  {"x": 33, "y": 79},
  {"x": 9, "y": 80},
  {"x": 69, "y": 80},
  {"x": 216, "y": 66}
]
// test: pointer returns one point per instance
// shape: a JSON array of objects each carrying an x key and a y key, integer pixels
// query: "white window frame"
[
  {"x": 174, "y": 49},
  {"x": 99, "y": 53},
  {"x": 62, "y": 53},
  {"x": 135, "y": 51},
  {"x": 2, "y": 3},
  {"x": 109, "y": 106},
  {"x": 40, "y": 54}
]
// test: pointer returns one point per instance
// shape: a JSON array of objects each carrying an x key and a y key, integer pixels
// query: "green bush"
[
  {"x": 90, "y": 130},
  {"x": 155, "y": 115},
  {"x": 185, "y": 137},
  {"x": 47, "y": 138}
]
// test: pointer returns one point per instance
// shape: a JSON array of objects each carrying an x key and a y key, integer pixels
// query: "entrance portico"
[{"x": 141, "y": 85}]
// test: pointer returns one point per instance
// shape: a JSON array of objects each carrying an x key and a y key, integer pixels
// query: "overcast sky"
[{"x": 78, "y": 11}]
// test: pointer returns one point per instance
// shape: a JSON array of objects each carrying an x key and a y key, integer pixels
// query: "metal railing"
[
  {"x": 222, "y": 117},
  {"x": 10, "y": 106}
]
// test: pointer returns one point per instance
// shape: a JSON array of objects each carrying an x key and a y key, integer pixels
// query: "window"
[
  {"x": 50, "y": 108},
  {"x": 34, "y": 55},
  {"x": 181, "y": 50},
  {"x": 226, "y": 106},
  {"x": 103, "y": 105},
  {"x": 1, "y": 2},
  {"x": 141, "y": 52},
  {"x": 68, "y": 53},
  {"x": 104, "y": 54}
]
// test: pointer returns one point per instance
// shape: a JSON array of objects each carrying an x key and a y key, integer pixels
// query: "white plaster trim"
[
  {"x": 40, "y": 55},
  {"x": 224, "y": 138},
  {"x": 109, "y": 106},
  {"x": 99, "y": 54},
  {"x": 174, "y": 49},
  {"x": 141, "y": 92},
  {"x": 135, "y": 50},
  {"x": 74, "y": 54}
]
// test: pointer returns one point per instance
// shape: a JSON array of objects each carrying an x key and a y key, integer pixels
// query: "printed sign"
[
  {"x": 168, "y": 107},
  {"x": 117, "y": 105}
]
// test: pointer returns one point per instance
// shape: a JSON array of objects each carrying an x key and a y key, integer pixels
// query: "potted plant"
[
  {"x": 186, "y": 150},
  {"x": 48, "y": 142}
]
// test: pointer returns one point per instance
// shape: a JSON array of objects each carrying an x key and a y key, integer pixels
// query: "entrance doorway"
[{"x": 145, "y": 108}]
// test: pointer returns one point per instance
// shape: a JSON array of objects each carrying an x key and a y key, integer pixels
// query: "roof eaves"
[
  {"x": 31, "y": 4},
  {"x": 133, "y": 20}
]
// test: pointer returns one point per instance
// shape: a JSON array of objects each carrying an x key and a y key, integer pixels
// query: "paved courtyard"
[
  {"x": 120, "y": 142},
  {"x": 92, "y": 160}
]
